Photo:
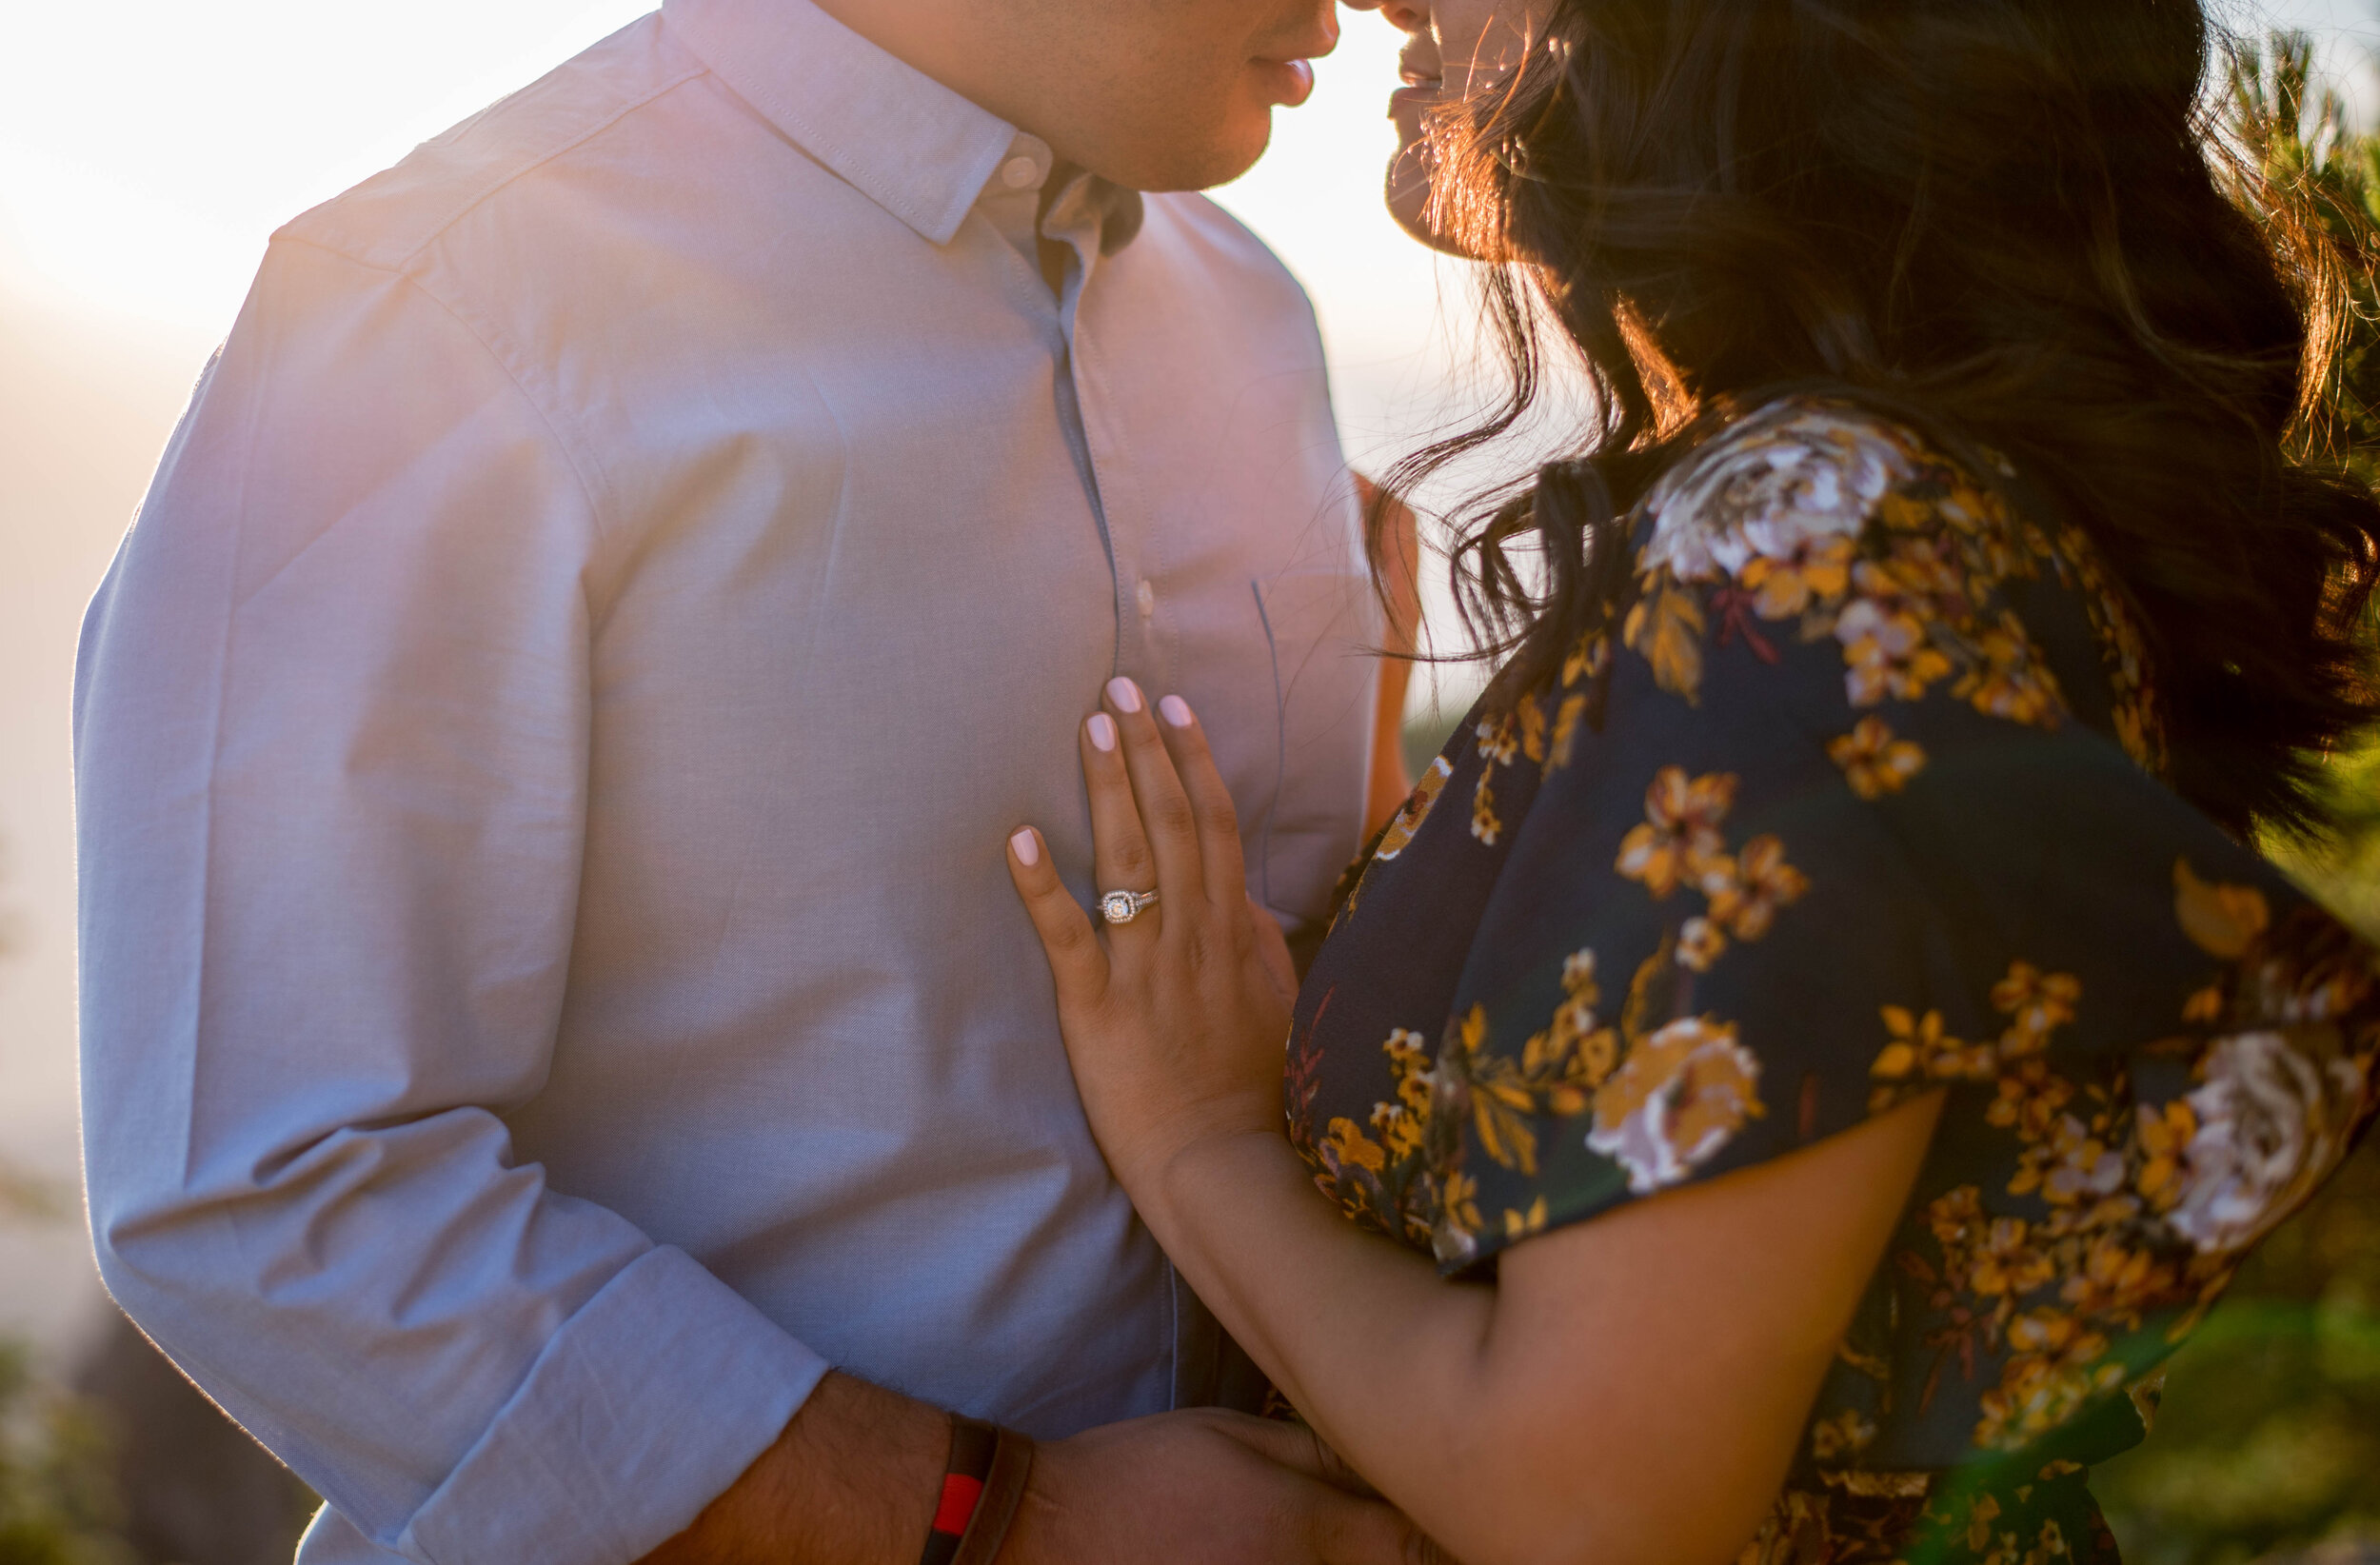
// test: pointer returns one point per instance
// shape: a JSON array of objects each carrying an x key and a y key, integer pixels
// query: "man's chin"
[{"x": 1204, "y": 164}]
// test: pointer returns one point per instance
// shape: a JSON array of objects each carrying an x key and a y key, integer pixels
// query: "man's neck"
[{"x": 978, "y": 50}]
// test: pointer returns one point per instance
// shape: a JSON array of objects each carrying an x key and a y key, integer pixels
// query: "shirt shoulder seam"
[
  {"x": 516, "y": 372},
  {"x": 480, "y": 193}
]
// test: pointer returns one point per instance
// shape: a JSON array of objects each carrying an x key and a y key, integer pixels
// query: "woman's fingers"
[
  {"x": 1121, "y": 859},
  {"x": 1165, "y": 819},
  {"x": 1075, "y": 957},
  {"x": 1216, "y": 819}
]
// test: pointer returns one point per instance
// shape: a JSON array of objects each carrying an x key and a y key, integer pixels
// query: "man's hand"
[
  {"x": 1204, "y": 1487},
  {"x": 854, "y": 1480}
]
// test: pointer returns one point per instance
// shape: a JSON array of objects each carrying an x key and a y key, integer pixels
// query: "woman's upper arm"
[{"x": 1675, "y": 1344}]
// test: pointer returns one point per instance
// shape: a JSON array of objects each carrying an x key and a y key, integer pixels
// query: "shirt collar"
[{"x": 915, "y": 148}]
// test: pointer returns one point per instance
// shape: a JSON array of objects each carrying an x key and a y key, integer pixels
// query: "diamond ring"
[{"x": 1124, "y": 907}]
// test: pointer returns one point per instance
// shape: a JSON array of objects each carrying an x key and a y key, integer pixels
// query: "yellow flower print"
[
  {"x": 1666, "y": 627},
  {"x": 1588, "y": 659},
  {"x": 1957, "y": 1220},
  {"x": 1846, "y": 1433},
  {"x": 1680, "y": 1097},
  {"x": 2118, "y": 1280},
  {"x": 2007, "y": 1261},
  {"x": 2011, "y": 682},
  {"x": 1500, "y": 1098},
  {"x": 1921, "y": 1050},
  {"x": 1497, "y": 741},
  {"x": 1403, "y": 1125},
  {"x": 1565, "y": 741},
  {"x": 1459, "y": 1205},
  {"x": 1409, "y": 1054},
  {"x": 1520, "y": 1226},
  {"x": 2054, "y": 1368},
  {"x": 2164, "y": 1137},
  {"x": 1681, "y": 834},
  {"x": 2223, "y": 921},
  {"x": 1354, "y": 1149},
  {"x": 1402, "y": 831},
  {"x": 2122, "y": 651},
  {"x": 1747, "y": 891},
  {"x": 1701, "y": 942},
  {"x": 1873, "y": 761},
  {"x": 1401, "y": 1133},
  {"x": 1555, "y": 1075},
  {"x": 2037, "y": 1003},
  {"x": 1981, "y": 1512},
  {"x": 2030, "y": 1100},
  {"x": 1485, "y": 823},
  {"x": 1783, "y": 588},
  {"x": 2069, "y": 1167},
  {"x": 1532, "y": 718},
  {"x": 1887, "y": 653},
  {"x": 1574, "y": 1056}
]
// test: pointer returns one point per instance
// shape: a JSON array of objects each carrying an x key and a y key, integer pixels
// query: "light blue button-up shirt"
[{"x": 551, "y": 984}]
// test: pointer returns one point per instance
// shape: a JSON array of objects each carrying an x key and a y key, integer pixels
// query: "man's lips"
[{"x": 1288, "y": 83}]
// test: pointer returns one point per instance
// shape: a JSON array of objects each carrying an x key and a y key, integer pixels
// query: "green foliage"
[
  {"x": 58, "y": 1497},
  {"x": 2269, "y": 1436}
]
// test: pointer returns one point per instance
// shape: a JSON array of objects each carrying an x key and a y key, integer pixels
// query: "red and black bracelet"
[{"x": 981, "y": 1484}]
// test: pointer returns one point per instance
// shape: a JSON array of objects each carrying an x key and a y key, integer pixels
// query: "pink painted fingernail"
[
  {"x": 1027, "y": 847},
  {"x": 1103, "y": 731},
  {"x": 1175, "y": 710},
  {"x": 1125, "y": 694}
]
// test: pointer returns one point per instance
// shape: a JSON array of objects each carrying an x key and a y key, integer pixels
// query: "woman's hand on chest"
[{"x": 1175, "y": 1018}]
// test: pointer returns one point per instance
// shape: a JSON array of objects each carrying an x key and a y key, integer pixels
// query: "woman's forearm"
[
  {"x": 1383, "y": 1357},
  {"x": 1630, "y": 1391}
]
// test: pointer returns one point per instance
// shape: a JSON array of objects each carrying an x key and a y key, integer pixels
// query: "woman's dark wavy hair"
[{"x": 2009, "y": 223}]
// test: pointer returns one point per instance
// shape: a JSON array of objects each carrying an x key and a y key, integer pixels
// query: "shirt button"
[
  {"x": 1018, "y": 172},
  {"x": 1147, "y": 598}
]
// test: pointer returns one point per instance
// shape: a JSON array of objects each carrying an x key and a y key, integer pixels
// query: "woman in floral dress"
[{"x": 1819, "y": 1037}]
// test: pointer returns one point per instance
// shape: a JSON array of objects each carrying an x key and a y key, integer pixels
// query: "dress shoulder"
[{"x": 1861, "y": 800}]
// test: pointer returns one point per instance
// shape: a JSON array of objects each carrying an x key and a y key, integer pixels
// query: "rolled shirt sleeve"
[{"x": 332, "y": 715}]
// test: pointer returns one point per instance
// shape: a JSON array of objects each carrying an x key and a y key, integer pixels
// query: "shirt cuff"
[{"x": 648, "y": 1402}]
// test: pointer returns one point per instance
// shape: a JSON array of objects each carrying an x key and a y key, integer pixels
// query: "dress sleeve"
[{"x": 1858, "y": 803}]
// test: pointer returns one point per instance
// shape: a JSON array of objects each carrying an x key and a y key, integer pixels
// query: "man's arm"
[
  {"x": 853, "y": 1478},
  {"x": 332, "y": 725}
]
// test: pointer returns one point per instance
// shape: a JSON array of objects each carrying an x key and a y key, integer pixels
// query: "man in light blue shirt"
[{"x": 551, "y": 985}]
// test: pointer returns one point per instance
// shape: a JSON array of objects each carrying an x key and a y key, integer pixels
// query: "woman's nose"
[{"x": 1406, "y": 15}]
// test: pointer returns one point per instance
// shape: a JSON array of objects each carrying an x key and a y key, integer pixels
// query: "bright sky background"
[
  {"x": 146, "y": 150},
  {"x": 147, "y": 147}
]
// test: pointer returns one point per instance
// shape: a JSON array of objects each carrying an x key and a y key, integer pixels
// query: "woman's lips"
[
  {"x": 1288, "y": 83},
  {"x": 1419, "y": 92},
  {"x": 1425, "y": 83}
]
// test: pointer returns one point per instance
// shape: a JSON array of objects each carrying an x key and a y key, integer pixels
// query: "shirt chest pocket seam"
[{"x": 1303, "y": 614}]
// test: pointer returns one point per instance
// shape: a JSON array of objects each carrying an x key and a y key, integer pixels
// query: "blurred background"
[{"x": 146, "y": 150}]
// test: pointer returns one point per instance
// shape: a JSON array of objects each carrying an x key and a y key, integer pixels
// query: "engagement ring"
[{"x": 1124, "y": 907}]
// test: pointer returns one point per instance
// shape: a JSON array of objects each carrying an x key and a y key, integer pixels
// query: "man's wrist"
[{"x": 853, "y": 1478}]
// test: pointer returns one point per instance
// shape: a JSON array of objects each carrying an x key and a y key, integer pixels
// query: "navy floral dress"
[{"x": 1861, "y": 801}]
